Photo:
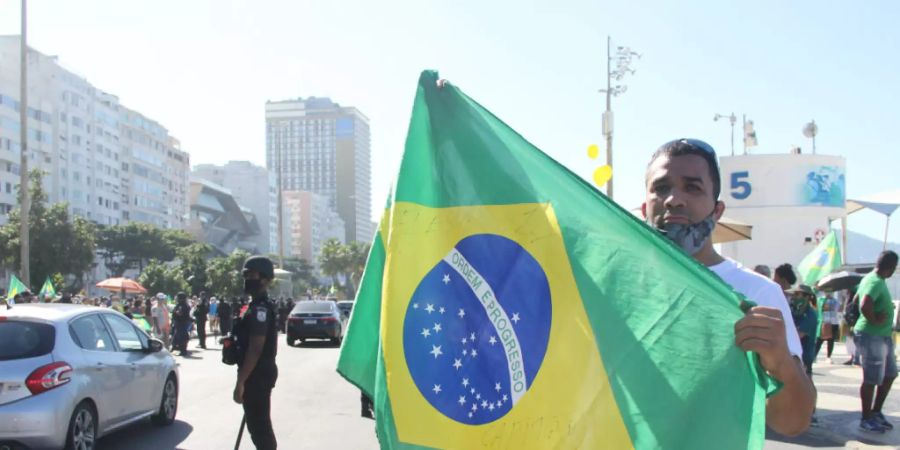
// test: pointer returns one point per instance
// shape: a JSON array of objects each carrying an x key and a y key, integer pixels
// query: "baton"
[{"x": 237, "y": 443}]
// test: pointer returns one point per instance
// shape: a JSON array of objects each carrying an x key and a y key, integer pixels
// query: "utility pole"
[
  {"x": 623, "y": 58},
  {"x": 280, "y": 208},
  {"x": 25, "y": 195}
]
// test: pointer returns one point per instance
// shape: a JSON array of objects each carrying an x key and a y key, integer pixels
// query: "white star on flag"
[
  {"x": 474, "y": 407},
  {"x": 515, "y": 318},
  {"x": 470, "y": 415},
  {"x": 491, "y": 407},
  {"x": 474, "y": 353},
  {"x": 505, "y": 398},
  {"x": 446, "y": 278},
  {"x": 457, "y": 364},
  {"x": 478, "y": 397},
  {"x": 436, "y": 351},
  {"x": 472, "y": 337},
  {"x": 484, "y": 404},
  {"x": 415, "y": 306},
  {"x": 437, "y": 389},
  {"x": 464, "y": 341},
  {"x": 425, "y": 332},
  {"x": 492, "y": 340},
  {"x": 462, "y": 399},
  {"x": 497, "y": 387},
  {"x": 437, "y": 327},
  {"x": 465, "y": 382},
  {"x": 461, "y": 313},
  {"x": 465, "y": 352},
  {"x": 442, "y": 310},
  {"x": 472, "y": 391},
  {"x": 429, "y": 308}
]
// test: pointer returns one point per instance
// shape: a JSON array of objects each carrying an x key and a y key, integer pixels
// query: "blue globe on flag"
[{"x": 477, "y": 327}]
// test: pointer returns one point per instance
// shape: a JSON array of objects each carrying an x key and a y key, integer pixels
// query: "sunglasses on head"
[{"x": 697, "y": 143}]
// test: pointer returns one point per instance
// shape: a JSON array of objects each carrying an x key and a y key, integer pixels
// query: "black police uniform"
[{"x": 259, "y": 320}]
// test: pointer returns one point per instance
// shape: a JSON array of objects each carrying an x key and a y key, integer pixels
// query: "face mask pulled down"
[{"x": 691, "y": 237}]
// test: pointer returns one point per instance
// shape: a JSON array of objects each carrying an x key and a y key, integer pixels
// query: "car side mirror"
[{"x": 155, "y": 346}]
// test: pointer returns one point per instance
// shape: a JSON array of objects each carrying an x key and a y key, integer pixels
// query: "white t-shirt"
[{"x": 762, "y": 291}]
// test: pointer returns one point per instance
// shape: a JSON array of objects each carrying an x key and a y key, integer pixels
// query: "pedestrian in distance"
[
  {"x": 223, "y": 311},
  {"x": 829, "y": 307},
  {"x": 257, "y": 336},
  {"x": 201, "y": 314},
  {"x": 181, "y": 322},
  {"x": 682, "y": 202}
]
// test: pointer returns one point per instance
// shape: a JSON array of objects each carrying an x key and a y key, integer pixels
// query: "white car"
[{"x": 70, "y": 374}]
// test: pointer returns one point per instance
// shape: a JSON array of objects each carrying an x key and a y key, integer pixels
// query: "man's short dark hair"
[
  {"x": 682, "y": 147},
  {"x": 786, "y": 273},
  {"x": 886, "y": 260}
]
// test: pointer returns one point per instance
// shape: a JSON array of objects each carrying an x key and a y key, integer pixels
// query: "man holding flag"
[
  {"x": 683, "y": 186},
  {"x": 507, "y": 303}
]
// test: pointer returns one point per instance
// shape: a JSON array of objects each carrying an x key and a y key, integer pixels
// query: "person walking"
[
  {"x": 223, "y": 311},
  {"x": 831, "y": 322}
]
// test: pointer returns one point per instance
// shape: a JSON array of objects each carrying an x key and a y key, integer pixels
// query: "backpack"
[{"x": 851, "y": 311}]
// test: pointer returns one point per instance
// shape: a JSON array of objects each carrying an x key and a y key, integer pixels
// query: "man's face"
[
  {"x": 888, "y": 272},
  {"x": 679, "y": 190}
]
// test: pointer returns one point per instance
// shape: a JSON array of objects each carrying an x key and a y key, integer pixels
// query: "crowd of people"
[{"x": 861, "y": 316}]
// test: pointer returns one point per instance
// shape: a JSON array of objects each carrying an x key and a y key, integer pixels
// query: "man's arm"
[
  {"x": 867, "y": 308},
  {"x": 762, "y": 331}
]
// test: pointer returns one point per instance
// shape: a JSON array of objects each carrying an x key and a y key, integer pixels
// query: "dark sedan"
[{"x": 315, "y": 319}]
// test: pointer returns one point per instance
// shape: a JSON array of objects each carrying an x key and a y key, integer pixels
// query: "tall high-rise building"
[
  {"x": 110, "y": 163},
  {"x": 312, "y": 222},
  {"x": 323, "y": 147},
  {"x": 254, "y": 187}
]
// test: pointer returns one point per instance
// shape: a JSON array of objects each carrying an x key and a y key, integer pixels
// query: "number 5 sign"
[{"x": 740, "y": 186}]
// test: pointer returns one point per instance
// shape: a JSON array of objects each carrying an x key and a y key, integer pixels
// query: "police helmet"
[{"x": 260, "y": 264}]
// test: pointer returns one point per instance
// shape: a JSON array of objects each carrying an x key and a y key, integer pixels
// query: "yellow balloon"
[
  {"x": 602, "y": 174},
  {"x": 593, "y": 151}
]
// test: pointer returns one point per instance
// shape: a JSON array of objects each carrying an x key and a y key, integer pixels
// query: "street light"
[
  {"x": 622, "y": 58},
  {"x": 732, "y": 119}
]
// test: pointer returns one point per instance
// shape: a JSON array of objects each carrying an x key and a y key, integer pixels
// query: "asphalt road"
[{"x": 312, "y": 406}]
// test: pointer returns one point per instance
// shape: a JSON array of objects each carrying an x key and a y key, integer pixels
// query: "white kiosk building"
[{"x": 789, "y": 199}]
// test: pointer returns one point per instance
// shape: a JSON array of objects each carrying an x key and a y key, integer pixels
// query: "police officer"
[
  {"x": 257, "y": 335},
  {"x": 181, "y": 321}
]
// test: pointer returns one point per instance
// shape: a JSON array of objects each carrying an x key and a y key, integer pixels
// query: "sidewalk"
[{"x": 838, "y": 410}]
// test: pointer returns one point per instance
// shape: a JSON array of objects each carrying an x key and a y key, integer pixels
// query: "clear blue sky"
[{"x": 204, "y": 69}]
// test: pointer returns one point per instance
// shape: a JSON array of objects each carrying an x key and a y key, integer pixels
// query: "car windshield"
[
  {"x": 310, "y": 307},
  {"x": 20, "y": 340}
]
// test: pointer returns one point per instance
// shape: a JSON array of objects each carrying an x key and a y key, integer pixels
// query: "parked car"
[
  {"x": 315, "y": 319},
  {"x": 346, "y": 307},
  {"x": 70, "y": 374}
]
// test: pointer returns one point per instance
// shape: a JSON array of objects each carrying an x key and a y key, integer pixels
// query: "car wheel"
[
  {"x": 168, "y": 405},
  {"x": 82, "y": 428},
  {"x": 290, "y": 341},
  {"x": 336, "y": 341}
]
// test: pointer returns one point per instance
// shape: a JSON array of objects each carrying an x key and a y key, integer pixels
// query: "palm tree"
[
  {"x": 333, "y": 259},
  {"x": 357, "y": 254}
]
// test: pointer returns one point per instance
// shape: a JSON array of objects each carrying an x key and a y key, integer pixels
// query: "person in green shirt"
[{"x": 876, "y": 344}]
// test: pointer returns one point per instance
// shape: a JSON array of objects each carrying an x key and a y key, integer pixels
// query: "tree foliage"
[
  {"x": 158, "y": 277},
  {"x": 193, "y": 266},
  {"x": 224, "y": 274},
  {"x": 346, "y": 262},
  {"x": 134, "y": 244},
  {"x": 57, "y": 243}
]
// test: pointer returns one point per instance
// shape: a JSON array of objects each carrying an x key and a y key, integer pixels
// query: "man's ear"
[
  {"x": 644, "y": 210},
  {"x": 719, "y": 210}
]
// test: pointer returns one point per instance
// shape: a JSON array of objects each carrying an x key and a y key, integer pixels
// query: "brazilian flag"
[
  {"x": 47, "y": 289},
  {"x": 16, "y": 286},
  {"x": 824, "y": 259},
  {"x": 506, "y": 303}
]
